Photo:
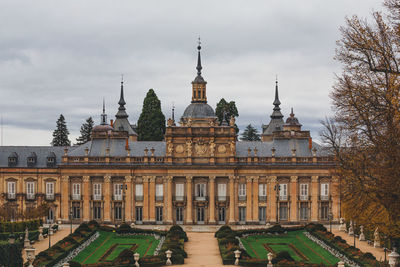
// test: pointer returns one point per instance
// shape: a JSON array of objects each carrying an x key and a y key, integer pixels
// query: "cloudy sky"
[{"x": 65, "y": 56}]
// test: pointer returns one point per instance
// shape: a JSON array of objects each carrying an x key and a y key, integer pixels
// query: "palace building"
[{"x": 199, "y": 174}]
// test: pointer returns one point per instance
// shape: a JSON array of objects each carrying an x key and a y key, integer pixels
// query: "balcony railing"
[
  {"x": 11, "y": 196},
  {"x": 222, "y": 198},
  {"x": 262, "y": 198},
  {"x": 179, "y": 198},
  {"x": 30, "y": 196},
  {"x": 201, "y": 198},
  {"x": 324, "y": 198},
  {"x": 49, "y": 196},
  {"x": 139, "y": 197},
  {"x": 117, "y": 197},
  {"x": 283, "y": 198},
  {"x": 76, "y": 197},
  {"x": 304, "y": 198},
  {"x": 159, "y": 198},
  {"x": 97, "y": 197},
  {"x": 242, "y": 198}
]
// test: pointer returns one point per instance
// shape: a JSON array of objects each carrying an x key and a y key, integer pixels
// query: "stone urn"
[
  {"x": 394, "y": 258},
  {"x": 41, "y": 233},
  {"x": 377, "y": 239},
  {"x": 270, "y": 255},
  {"x": 136, "y": 258},
  {"x": 30, "y": 256},
  {"x": 362, "y": 236},
  {"x": 168, "y": 253},
  {"x": 237, "y": 256},
  {"x": 342, "y": 226},
  {"x": 351, "y": 230}
]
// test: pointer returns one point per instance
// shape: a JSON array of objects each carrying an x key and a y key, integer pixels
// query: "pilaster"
[
  {"x": 107, "y": 198},
  {"x": 189, "y": 212},
  {"x": 249, "y": 215},
  {"x": 86, "y": 198},
  {"x": 128, "y": 198},
  {"x": 169, "y": 199},
  {"x": 293, "y": 198},
  {"x": 146, "y": 197},
  {"x": 255, "y": 199},
  {"x": 272, "y": 198},
  {"x": 232, "y": 199},
  {"x": 314, "y": 198},
  {"x": 152, "y": 199},
  {"x": 211, "y": 180},
  {"x": 64, "y": 198}
]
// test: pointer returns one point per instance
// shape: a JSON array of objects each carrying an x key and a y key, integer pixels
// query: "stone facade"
[{"x": 200, "y": 174}]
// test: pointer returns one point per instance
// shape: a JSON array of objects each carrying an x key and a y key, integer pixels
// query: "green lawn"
[
  {"x": 146, "y": 245},
  {"x": 296, "y": 243}
]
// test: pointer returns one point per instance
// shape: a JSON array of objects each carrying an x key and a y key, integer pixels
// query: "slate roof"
[
  {"x": 23, "y": 152},
  {"x": 198, "y": 110},
  {"x": 283, "y": 148}
]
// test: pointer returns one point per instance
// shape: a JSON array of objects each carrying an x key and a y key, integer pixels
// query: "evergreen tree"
[
  {"x": 229, "y": 109},
  {"x": 250, "y": 134},
  {"x": 60, "y": 134},
  {"x": 86, "y": 130},
  {"x": 151, "y": 123}
]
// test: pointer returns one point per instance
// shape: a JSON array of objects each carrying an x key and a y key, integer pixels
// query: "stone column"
[
  {"x": 232, "y": 199},
  {"x": 255, "y": 199},
  {"x": 169, "y": 199},
  {"x": 152, "y": 200},
  {"x": 128, "y": 198},
  {"x": 293, "y": 199},
  {"x": 146, "y": 199},
  {"x": 133, "y": 200},
  {"x": 86, "y": 198},
  {"x": 189, "y": 212},
  {"x": 211, "y": 180},
  {"x": 314, "y": 198},
  {"x": 335, "y": 194},
  {"x": 249, "y": 217},
  {"x": 107, "y": 198},
  {"x": 272, "y": 198},
  {"x": 64, "y": 190}
]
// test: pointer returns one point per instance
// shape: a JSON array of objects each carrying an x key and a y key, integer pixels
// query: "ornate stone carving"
[
  {"x": 64, "y": 178},
  {"x": 293, "y": 179},
  {"x": 211, "y": 178},
  {"x": 212, "y": 148},
  {"x": 170, "y": 148},
  {"x": 86, "y": 179},
  {"x": 170, "y": 122},
  {"x": 232, "y": 121},
  {"x": 200, "y": 149},
  {"x": 189, "y": 148},
  {"x": 189, "y": 178},
  {"x": 273, "y": 179},
  {"x": 314, "y": 179},
  {"x": 107, "y": 178},
  {"x": 179, "y": 149},
  {"x": 189, "y": 122},
  {"x": 221, "y": 149},
  {"x": 128, "y": 179},
  {"x": 232, "y": 145},
  {"x": 249, "y": 179}
]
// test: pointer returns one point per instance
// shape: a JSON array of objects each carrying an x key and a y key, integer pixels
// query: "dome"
[
  {"x": 199, "y": 110},
  {"x": 102, "y": 128}
]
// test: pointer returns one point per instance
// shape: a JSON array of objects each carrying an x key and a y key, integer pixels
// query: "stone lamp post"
[
  {"x": 168, "y": 253},
  {"x": 237, "y": 256},
  {"x": 30, "y": 255},
  {"x": 394, "y": 258},
  {"x": 136, "y": 258},
  {"x": 270, "y": 260}
]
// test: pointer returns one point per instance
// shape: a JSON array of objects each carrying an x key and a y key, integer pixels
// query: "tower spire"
[
  {"x": 199, "y": 67},
  {"x": 121, "y": 101},
  {"x": 276, "y": 101},
  {"x": 104, "y": 115},
  {"x": 199, "y": 84}
]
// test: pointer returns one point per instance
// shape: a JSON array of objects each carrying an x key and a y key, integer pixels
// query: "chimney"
[
  {"x": 86, "y": 151},
  {"x": 152, "y": 151},
  {"x": 65, "y": 151},
  {"x": 309, "y": 143},
  {"x": 112, "y": 123},
  {"x": 127, "y": 144}
]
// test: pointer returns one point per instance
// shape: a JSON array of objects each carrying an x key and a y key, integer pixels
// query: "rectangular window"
[
  {"x": 139, "y": 192},
  {"x": 96, "y": 191},
  {"x": 50, "y": 190},
  {"x": 76, "y": 191},
  {"x": 76, "y": 210},
  {"x": 159, "y": 214},
  {"x": 159, "y": 192},
  {"x": 303, "y": 191},
  {"x": 304, "y": 211},
  {"x": 117, "y": 191},
  {"x": 30, "y": 190},
  {"x": 200, "y": 190},
  {"x": 139, "y": 214},
  {"x": 283, "y": 211},
  {"x": 117, "y": 211},
  {"x": 179, "y": 193},
  {"x": 11, "y": 189},
  {"x": 325, "y": 191},
  {"x": 221, "y": 215},
  {"x": 242, "y": 191},
  {"x": 97, "y": 210},
  {"x": 283, "y": 192},
  {"x": 179, "y": 215},
  {"x": 242, "y": 214},
  {"x": 262, "y": 192},
  {"x": 221, "y": 192},
  {"x": 324, "y": 210},
  {"x": 262, "y": 214}
]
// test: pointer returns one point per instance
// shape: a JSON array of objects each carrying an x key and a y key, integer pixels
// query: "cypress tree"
[
  {"x": 151, "y": 123},
  {"x": 230, "y": 110},
  {"x": 60, "y": 134},
  {"x": 86, "y": 130},
  {"x": 250, "y": 134}
]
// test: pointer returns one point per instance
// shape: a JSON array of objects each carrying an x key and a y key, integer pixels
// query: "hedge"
[
  {"x": 8, "y": 227},
  {"x": 10, "y": 255}
]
